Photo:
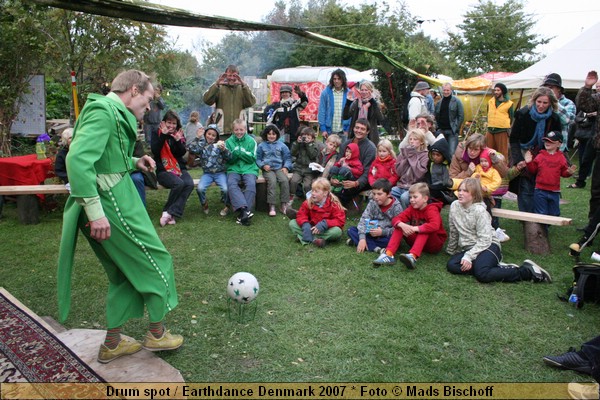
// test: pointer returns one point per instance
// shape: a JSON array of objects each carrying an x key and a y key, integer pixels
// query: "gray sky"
[{"x": 564, "y": 20}]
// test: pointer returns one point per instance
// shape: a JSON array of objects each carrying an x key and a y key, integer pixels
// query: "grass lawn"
[{"x": 325, "y": 314}]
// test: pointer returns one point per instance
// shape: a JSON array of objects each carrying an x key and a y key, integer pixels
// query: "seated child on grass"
[
  {"x": 375, "y": 227},
  {"x": 275, "y": 160},
  {"x": 347, "y": 168},
  {"x": 384, "y": 165},
  {"x": 213, "y": 156},
  {"x": 320, "y": 218},
  {"x": 421, "y": 226},
  {"x": 548, "y": 167}
]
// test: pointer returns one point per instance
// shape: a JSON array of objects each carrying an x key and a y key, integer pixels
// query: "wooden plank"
[
  {"x": 33, "y": 189},
  {"x": 16, "y": 190},
  {"x": 531, "y": 217}
]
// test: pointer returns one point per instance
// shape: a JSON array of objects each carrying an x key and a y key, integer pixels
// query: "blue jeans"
[
  {"x": 485, "y": 267},
  {"x": 138, "y": 180},
  {"x": 220, "y": 178},
  {"x": 402, "y": 196},
  {"x": 238, "y": 198},
  {"x": 372, "y": 242},
  {"x": 546, "y": 202}
]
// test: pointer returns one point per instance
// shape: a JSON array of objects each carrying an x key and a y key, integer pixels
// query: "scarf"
[
  {"x": 363, "y": 112},
  {"x": 540, "y": 127},
  {"x": 468, "y": 160},
  {"x": 169, "y": 161}
]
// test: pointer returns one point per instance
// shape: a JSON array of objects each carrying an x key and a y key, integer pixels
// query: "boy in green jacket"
[{"x": 242, "y": 171}]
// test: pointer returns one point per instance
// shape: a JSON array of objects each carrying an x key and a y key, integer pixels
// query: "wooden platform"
[{"x": 531, "y": 217}]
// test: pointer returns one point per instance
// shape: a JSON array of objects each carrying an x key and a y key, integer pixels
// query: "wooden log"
[
  {"x": 536, "y": 238},
  {"x": 28, "y": 209}
]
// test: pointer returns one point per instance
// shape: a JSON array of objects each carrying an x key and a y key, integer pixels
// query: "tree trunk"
[
  {"x": 536, "y": 238},
  {"x": 5, "y": 147}
]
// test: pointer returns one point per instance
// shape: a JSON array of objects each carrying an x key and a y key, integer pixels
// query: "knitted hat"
[
  {"x": 485, "y": 153},
  {"x": 502, "y": 87},
  {"x": 421, "y": 85},
  {"x": 553, "y": 79},
  {"x": 285, "y": 88},
  {"x": 553, "y": 136}
]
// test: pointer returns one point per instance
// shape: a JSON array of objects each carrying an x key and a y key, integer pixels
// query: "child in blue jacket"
[{"x": 274, "y": 159}]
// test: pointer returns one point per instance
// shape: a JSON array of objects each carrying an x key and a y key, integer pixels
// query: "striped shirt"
[{"x": 336, "y": 123}]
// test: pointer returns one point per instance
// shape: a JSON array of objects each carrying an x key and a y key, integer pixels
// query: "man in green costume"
[{"x": 106, "y": 207}]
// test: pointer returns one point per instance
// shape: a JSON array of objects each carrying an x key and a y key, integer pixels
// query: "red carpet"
[{"x": 30, "y": 353}]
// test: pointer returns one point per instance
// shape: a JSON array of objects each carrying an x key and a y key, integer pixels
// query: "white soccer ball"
[{"x": 242, "y": 287}]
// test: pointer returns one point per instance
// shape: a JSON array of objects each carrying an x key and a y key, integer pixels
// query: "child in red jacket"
[
  {"x": 347, "y": 168},
  {"x": 321, "y": 217},
  {"x": 384, "y": 165},
  {"x": 421, "y": 225},
  {"x": 548, "y": 166}
]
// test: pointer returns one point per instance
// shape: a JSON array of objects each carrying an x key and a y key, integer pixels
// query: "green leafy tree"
[
  {"x": 494, "y": 38},
  {"x": 21, "y": 50}
]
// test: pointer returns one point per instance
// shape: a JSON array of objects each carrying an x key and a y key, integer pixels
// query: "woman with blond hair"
[
  {"x": 531, "y": 123},
  {"x": 365, "y": 107}
]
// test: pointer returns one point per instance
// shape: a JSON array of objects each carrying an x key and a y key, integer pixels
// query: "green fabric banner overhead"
[{"x": 142, "y": 11}]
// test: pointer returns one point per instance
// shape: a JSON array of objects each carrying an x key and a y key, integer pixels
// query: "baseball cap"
[{"x": 553, "y": 136}]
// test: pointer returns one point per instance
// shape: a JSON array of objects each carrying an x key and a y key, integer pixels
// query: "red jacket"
[
  {"x": 428, "y": 219},
  {"x": 548, "y": 169},
  {"x": 385, "y": 168},
  {"x": 330, "y": 212},
  {"x": 353, "y": 162}
]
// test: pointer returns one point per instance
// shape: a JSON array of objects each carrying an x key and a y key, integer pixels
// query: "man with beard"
[{"x": 231, "y": 96}]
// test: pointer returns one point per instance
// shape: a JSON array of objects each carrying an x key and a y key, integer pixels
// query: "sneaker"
[
  {"x": 249, "y": 214},
  {"x": 284, "y": 208},
  {"x": 569, "y": 360},
  {"x": 224, "y": 212},
  {"x": 595, "y": 257},
  {"x": 124, "y": 348},
  {"x": 349, "y": 242},
  {"x": 501, "y": 235},
  {"x": 165, "y": 218},
  {"x": 380, "y": 250},
  {"x": 272, "y": 211},
  {"x": 319, "y": 242},
  {"x": 538, "y": 274},
  {"x": 171, "y": 221},
  {"x": 167, "y": 341},
  {"x": 205, "y": 208},
  {"x": 384, "y": 259},
  {"x": 507, "y": 265},
  {"x": 408, "y": 260}
]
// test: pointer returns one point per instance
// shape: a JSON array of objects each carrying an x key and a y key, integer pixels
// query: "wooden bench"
[
  {"x": 534, "y": 233},
  {"x": 28, "y": 202}
]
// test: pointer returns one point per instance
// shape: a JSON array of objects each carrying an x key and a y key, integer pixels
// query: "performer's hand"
[
  {"x": 146, "y": 163},
  {"x": 100, "y": 229}
]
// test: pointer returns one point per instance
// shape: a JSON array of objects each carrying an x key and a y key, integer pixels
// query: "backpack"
[{"x": 586, "y": 285}]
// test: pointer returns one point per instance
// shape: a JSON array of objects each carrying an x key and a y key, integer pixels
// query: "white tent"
[{"x": 572, "y": 62}]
